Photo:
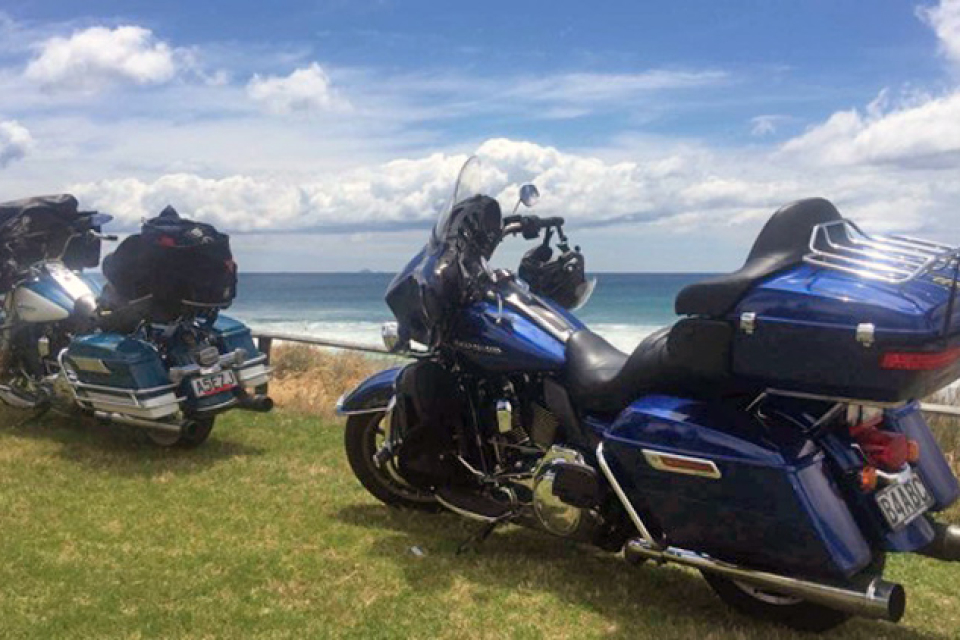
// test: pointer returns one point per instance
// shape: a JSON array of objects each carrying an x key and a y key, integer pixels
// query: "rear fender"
[{"x": 373, "y": 395}]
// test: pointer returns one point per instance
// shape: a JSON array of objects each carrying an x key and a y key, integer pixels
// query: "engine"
[{"x": 566, "y": 493}]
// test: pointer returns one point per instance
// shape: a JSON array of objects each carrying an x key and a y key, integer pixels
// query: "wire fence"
[{"x": 265, "y": 342}]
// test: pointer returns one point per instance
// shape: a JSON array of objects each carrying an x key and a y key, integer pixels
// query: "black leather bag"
[{"x": 186, "y": 266}]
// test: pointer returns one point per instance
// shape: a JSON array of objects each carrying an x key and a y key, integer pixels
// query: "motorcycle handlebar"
[{"x": 530, "y": 226}]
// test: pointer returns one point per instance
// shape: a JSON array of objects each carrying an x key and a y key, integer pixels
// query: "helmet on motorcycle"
[{"x": 561, "y": 279}]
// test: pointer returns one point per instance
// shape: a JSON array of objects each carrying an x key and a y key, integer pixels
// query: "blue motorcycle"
[
  {"x": 68, "y": 345},
  {"x": 770, "y": 438}
]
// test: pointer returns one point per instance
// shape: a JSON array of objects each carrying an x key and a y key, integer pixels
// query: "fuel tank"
[
  {"x": 514, "y": 330},
  {"x": 54, "y": 295}
]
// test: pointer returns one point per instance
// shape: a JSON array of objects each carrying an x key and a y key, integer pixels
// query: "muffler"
[
  {"x": 946, "y": 543},
  {"x": 880, "y": 600},
  {"x": 259, "y": 403},
  {"x": 119, "y": 418}
]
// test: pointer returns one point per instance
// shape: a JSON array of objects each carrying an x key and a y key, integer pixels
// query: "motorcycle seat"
[
  {"x": 782, "y": 243},
  {"x": 603, "y": 379},
  {"x": 119, "y": 315}
]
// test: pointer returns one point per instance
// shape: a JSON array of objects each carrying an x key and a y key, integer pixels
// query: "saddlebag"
[
  {"x": 831, "y": 333},
  {"x": 119, "y": 374},
  {"x": 233, "y": 335},
  {"x": 708, "y": 477}
]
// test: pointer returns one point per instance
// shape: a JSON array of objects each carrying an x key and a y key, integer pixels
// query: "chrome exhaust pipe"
[
  {"x": 946, "y": 544},
  {"x": 260, "y": 403},
  {"x": 880, "y": 600},
  {"x": 130, "y": 421}
]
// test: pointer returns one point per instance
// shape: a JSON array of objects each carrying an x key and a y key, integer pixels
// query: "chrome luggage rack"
[{"x": 842, "y": 246}]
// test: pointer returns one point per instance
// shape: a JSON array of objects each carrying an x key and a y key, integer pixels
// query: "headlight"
[{"x": 390, "y": 332}]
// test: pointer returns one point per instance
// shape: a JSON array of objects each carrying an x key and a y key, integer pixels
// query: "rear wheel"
[
  {"x": 363, "y": 437},
  {"x": 191, "y": 436},
  {"x": 782, "y": 609}
]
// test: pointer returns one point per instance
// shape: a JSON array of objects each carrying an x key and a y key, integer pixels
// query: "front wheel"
[
  {"x": 191, "y": 436},
  {"x": 786, "y": 610},
  {"x": 363, "y": 437}
]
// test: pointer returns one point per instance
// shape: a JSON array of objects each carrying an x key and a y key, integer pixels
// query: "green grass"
[{"x": 264, "y": 533}]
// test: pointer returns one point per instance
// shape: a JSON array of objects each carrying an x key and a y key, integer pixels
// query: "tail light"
[
  {"x": 919, "y": 361},
  {"x": 884, "y": 449}
]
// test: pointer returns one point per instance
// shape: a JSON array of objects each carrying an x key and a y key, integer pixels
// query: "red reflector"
[
  {"x": 687, "y": 465},
  {"x": 919, "y": 361}
]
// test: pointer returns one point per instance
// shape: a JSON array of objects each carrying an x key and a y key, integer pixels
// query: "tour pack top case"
[{"x": 861, "y": 317}]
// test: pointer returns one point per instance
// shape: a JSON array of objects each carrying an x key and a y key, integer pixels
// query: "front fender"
[{"x": 372, "y": 395}]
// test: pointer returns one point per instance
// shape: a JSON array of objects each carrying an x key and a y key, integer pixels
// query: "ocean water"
[{"x": 625, "y": 307}]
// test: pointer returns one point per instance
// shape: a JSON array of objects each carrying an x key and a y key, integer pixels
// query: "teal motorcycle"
[{"x": 71, "y": 345}]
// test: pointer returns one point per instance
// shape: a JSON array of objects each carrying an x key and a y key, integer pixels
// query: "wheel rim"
[
  {"x": 163, "y": 438},
  {"x": 388, "y": 474},
  {"x": 768, "y": 597}
]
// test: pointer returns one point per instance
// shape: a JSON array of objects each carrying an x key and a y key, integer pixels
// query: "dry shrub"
[{"x": 310, "y": 379}]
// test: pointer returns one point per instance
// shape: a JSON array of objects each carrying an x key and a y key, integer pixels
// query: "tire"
[
  {"x": 360, "y": 441},
  {"x": 195, "y": 434},
  {"x": 787, "y": 611}
]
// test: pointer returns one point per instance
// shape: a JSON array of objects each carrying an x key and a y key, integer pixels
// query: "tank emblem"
[{"x": 477, "y": 348}]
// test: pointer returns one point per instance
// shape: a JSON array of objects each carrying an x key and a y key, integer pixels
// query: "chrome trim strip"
[
  {"x": 634, "y": 516},
  {"x": 217, "y": 407},
  {"x": 835, "y": 399}
]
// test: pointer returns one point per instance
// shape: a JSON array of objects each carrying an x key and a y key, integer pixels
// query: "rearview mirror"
[{"x": 529, "y": 194}]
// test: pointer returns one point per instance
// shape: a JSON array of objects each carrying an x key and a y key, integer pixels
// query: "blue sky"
[{"x": 325, "y": 135}]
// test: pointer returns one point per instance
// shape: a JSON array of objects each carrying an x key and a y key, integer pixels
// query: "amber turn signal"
[
  {"x": 868, "y": 479},
  {"x": 913, "y": 451}
]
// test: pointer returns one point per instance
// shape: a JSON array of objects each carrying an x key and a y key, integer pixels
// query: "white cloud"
[
  {"x": 306, "y": 90},
  {"x": 924, "y": 135},
  {"x": 97, "y": 57},
  {"x": 766, "y": 125},
  {"x": 945, "y": 20},
  {"x": 15, "y": 142},
  {"x": 580, "y": 88}
]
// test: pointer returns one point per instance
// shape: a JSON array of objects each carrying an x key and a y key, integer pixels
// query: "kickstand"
[{"x": 474, "y": 541}]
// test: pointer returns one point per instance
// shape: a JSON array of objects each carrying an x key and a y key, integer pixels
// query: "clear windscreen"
[{"x": 468, "y": 184}]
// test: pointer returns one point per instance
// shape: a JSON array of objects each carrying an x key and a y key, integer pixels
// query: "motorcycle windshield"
[
  {"x": 467, "y": 185},
  {"x": 416, "y": 294}
]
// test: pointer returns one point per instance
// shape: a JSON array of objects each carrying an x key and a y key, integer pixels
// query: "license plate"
[
  {"x": 902, "y": 503},
  {"x": 214, "y": 383}
]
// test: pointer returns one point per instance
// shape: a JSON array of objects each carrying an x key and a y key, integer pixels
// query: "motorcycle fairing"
[{"x": 799, "y": 521}]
